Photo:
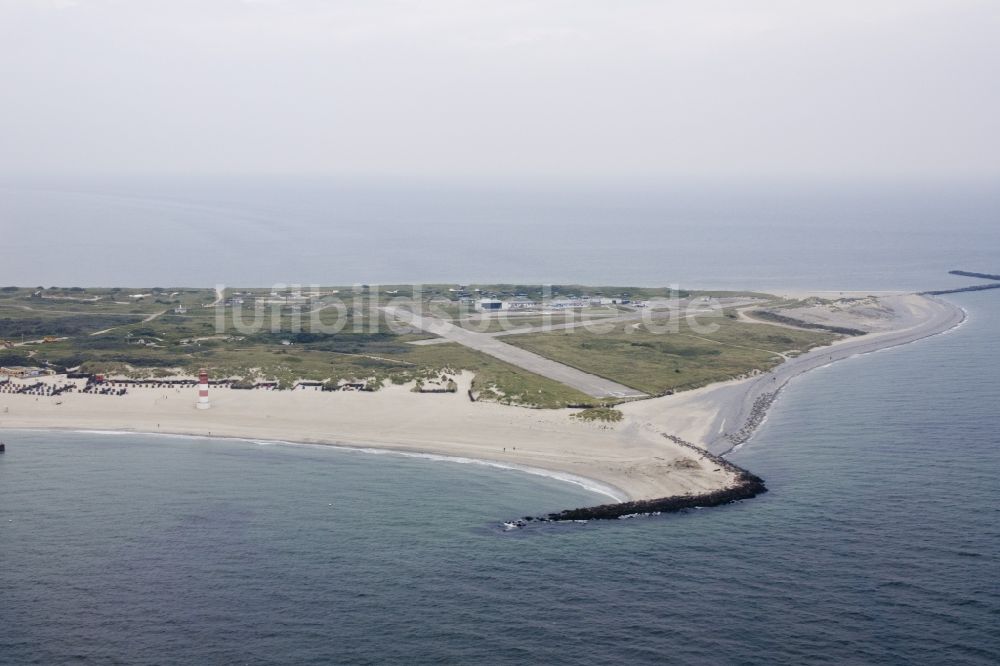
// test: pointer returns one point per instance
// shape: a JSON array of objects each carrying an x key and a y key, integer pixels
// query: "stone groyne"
[
  {"x": 745, "y": 486},
  {"x": 976, "y": 287},
  {"x": 981, "y": 276}
]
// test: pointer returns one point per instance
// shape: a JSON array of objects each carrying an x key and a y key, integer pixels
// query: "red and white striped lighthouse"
[{"x": 203, "y": 389}]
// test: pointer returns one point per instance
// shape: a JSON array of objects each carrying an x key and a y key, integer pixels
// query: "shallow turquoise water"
[{"x": 878, "y": 543}]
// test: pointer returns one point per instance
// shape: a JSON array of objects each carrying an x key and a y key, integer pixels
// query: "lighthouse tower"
[{"x": 203, "y": 389}]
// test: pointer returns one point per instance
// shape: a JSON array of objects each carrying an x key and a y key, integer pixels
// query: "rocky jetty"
[
  {"x": 975, "y": 287},
  {"x": 757, "y": 414},
  {"x": 746, "y": 486},
  {"x": 971, "y": 274},
  {"x": 982, "y": 276}
]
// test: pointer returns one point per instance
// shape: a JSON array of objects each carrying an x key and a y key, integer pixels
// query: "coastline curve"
[
  {"x": 592, "y": 485},
  {"x": 746, "y": 404}
]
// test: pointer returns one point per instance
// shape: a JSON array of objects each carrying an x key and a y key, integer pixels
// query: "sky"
[{"x": 515, "y": 89}]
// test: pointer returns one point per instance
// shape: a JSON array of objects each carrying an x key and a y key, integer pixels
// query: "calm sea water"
[
  {"x": 246, "y": 233},
  {"x": 878, "y": 543}
]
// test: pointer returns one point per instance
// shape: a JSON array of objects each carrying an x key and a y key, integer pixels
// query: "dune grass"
[{"x": 656, "y": 363}]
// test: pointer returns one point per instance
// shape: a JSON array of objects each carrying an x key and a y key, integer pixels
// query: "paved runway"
[{"x": 592, "y": 385}]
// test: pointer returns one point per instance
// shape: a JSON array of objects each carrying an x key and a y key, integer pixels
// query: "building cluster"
[
  {"x": 21, "y": 371},
  {"x": 311, "y": 385},
  {"x": 291, "y": 298},
  {"x": 516, "y": 303}
]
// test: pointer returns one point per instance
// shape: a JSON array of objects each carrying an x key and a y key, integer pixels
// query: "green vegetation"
[
  {"x": 657, "y": 363},
  {"x": 154, "y": 332},
  {"x": 767, "y": 315},
  {"x": 602, "y": 414},
  {"x": 10, "y": 357},
  {"x": 57, "y": 312},
  {"x": 60, "y": 325},
  {"x": 184, "y": 343}
]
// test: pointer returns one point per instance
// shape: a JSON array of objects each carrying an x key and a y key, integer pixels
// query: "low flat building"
[
  {"x": 308, "y": 386},
  {"x": 23, "y": 371},
  {"x": 490, "y": 304}
]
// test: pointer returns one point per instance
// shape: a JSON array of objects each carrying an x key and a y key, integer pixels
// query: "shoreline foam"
[
  {"x": 778, "y": 390},
  {"x": 590, "y": 485}
]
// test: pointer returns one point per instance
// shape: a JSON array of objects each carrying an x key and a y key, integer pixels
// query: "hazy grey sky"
[{"x": 469, "y": 88}]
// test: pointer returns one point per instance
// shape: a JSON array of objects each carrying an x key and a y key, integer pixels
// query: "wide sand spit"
[{"x": 645, "y": 456}]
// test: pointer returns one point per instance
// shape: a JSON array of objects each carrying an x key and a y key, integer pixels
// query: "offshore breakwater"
[
  {"x": 959, "y": 290},
  {"x": 975, "y": 287},
  {"x": 981, "y": 276}
]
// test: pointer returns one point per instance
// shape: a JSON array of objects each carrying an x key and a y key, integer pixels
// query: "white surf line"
[
  {"x": 586, "y": 483},
  {"x": 860, "y": 341}
]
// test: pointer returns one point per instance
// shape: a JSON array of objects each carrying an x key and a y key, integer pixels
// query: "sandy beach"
[
  {"x": 392, "y": 418},
  {"x": 635, "y": 459},
  {"x": 721, "y": 416}
]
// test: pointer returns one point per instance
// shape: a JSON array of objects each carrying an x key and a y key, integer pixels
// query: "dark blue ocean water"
[
  {"x": 718, "y": 236},
  {"x": 878, "y": 543}
]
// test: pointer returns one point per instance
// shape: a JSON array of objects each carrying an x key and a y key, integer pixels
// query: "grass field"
[
  {"x": 329, "y": 337},
  {"x": 659, "y": 362},
  {"x": 363, "y": 347}
]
